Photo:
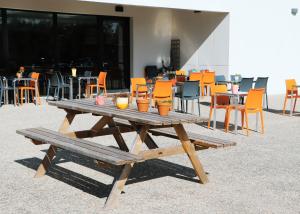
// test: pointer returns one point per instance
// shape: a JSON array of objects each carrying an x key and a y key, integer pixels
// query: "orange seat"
[
  {"x": 89, "y": 88},
  {"x": 222, "y": 102},
  {"x": 288, "y": 93},
  {"x": 208, "y": 80},
  {"x": 162, "y": 90},
  {"x": 254, "y": 104},
  {"x": 34, "y": 89},
  {"x": 140, "y": 84}
]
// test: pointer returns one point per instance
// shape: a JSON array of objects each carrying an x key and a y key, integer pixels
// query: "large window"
[
  {"x": 49, "y": 40},
  {"x": 29, "y": 38}
]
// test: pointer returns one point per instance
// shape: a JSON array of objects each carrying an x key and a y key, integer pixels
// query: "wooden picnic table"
[
  {"x": 114, "y": 122},
  {"x": 141, "y": 123}
]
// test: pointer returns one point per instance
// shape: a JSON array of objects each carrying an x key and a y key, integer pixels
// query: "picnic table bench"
[{"x": 115, "y": 122}]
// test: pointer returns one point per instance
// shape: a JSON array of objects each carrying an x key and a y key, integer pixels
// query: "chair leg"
[
  {"x": 262, "y": 122},
  {"x": 186, "y": 109},
  {"x": 210, "y": 115},
  {"x": 21, "y": 96},
  {"x": 32, "y": 97},
  {"x": 105, "y": 93},
  {"x": 48, "y": 91},
  {"x": 1, "y": 95},
  {"x": 247, "y": 127},
  {"x": 284, "y": 104},
  {"x": 228, "y": 112},
  {"x": 243, "y": 118},
  {"x": 295, "y": 104},
  {"x": 199, "y": 107},
  {"x": 38, "y": 97},
  {"x": 267, "y": 101}
]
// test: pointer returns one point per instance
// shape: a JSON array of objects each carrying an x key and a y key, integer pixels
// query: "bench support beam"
[
  {"x": 119, "y": 184},
  {"x": 190, "y": 151},
  {"x": 46, "y": 162}
]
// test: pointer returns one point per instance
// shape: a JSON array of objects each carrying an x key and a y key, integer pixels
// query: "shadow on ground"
[{"x": 151, "y": 169}]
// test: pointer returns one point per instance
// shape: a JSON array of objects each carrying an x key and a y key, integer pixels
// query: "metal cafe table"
[{"x": 139, "y": 122}]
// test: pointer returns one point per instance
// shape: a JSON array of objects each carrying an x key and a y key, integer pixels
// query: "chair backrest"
[
  {"x": 87, "y": 74},
  {"x": 220, "y": 78},
  {"x": 289, "y": 86},
  {"x": 255, "y": 99},
  {"x": 236, "y": 78},
  {"x": 246, "y": 84},
  {"x": 163, "y": 89},
  {"x": 180, "y": 72},
  {"x": 208, "y": 77},
  {"x": 261, "y": 82},
  {"x": 138, "y": 81},
  {"x": 221, "y": 100},
  {"x": 102, "y": 78},
  {"x": 196, "y": 76},
  {"x": 54, "y": 80},
  {"x": 35, "y": 76},
  {"x": 190, "y": 89},
  {"x": 61, "y": 78}
]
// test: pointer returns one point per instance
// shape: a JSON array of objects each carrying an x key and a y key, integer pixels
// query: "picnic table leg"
[
  {"x": 119, "y": 184},
  {"x": 190, "y": 151},
  {"x": 46, "y": 162},
  {"x": 118, "y": 136}
]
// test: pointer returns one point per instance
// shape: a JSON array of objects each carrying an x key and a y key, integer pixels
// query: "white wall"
[
  {"x": 264, "y": 36},
  {"x": 204, "y": 40}
]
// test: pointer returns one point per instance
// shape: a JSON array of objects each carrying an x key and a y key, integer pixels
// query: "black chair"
[
  {"x": 190, "y": 91},
  {"x": 262, "y": 82},
  {"x": 5, "y": 88},
  {"x": 246, "y": 84},
  {"x": 54, "y": 83},
  {"x": 63, "y": 85}
]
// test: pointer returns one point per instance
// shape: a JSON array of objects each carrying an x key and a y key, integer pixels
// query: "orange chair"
[
  {"x": 142, "y": 88},
  {"x": 254, "y": 104},
  {"x": 89, "y": 88},
  {"x": 162, "y": 90},
  {"x": 288, "y": 94},
  {"x": 208, "y": 80},
  {"x": 223, "y": 102},
  {"x": 31, "y": 87},
  {"x": 196, "y": 76}
]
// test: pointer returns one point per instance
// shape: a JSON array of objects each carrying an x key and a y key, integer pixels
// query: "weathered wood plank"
[
  {"x": 106, "y": 154},
  {"x": 151, "y": 118},
  {"x": 198, "y": 139},
  {"x": 87, "y": 144}
]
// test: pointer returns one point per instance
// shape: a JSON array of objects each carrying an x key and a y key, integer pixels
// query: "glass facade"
[{"x": 57, "y": 41}]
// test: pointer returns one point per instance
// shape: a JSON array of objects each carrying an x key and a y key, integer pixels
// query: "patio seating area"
[{"x": 263, "y": 167}]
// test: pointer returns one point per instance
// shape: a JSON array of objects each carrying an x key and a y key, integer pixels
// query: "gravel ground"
[{"x": 259, "y": 175}]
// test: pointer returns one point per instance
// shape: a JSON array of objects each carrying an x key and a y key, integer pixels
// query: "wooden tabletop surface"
[{"x": 131, "y": 114}]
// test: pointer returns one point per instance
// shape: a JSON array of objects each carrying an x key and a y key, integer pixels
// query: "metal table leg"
[
  {"x": 215, "y": 111},
  {"x": 292, "y": 103},
  {"x": 236, "y": 114}
]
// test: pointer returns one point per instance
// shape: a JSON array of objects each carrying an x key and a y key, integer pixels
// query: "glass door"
[{"x": 115, "y": 51}]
